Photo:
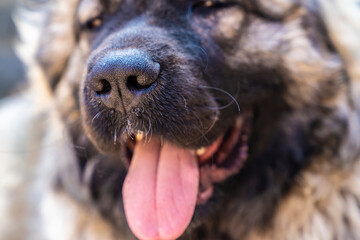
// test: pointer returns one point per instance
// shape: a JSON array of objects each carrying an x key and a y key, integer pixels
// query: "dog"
[{"x": 192, "y": 120}]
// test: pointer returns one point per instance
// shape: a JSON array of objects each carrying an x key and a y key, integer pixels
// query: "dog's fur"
[{"x": 302, "y": 178}]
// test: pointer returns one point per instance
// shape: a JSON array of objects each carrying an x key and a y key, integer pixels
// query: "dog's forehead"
[
  {"x": 110, "y": 3},
  {"x": 270, "y": 8}
]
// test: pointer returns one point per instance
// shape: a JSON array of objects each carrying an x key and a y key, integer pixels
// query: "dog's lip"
[
  {"x": 226, "y": 160},
  {"x": 205, "y": 153},
  {"x": 218, "y": 161},
  {"x": 218, "y": 151}
]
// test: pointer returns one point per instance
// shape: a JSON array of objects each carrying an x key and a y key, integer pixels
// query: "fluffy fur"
[{"x": 280, "y": 61}]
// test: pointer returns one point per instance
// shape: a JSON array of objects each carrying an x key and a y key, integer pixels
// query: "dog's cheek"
[
  {"x": 276, "y": 9},
  {"x": 228, "y": 25},
  {"x": 220, "y": 27},
  {"x": 58, "y": 39},
  {"x": 100, "y": 126}
]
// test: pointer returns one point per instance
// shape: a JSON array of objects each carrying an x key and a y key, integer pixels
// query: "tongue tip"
[
  {"x": 155, "y": 233},
  {"x": 157, "y": 230},
  {"x": 143, "y": 231}
]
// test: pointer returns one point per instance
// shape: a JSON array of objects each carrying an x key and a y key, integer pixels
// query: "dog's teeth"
[
  {"x": 201, "y": 151},
  {"x": 139, "y": 136}
]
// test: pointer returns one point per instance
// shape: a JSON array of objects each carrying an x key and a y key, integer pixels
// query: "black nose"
[{"x": 121, "y": 77}]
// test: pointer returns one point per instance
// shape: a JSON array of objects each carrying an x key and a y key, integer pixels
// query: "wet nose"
[{"x": 121, "y": 77}]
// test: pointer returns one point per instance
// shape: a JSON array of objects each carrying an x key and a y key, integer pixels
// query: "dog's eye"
[
  {"x": 94, "y": 23},
  {"x": 211, "y": 5},
  {"x": 204, "y": 4}
]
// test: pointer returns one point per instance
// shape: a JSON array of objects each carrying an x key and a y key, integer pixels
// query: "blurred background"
[{"x": 11, "y": 68}]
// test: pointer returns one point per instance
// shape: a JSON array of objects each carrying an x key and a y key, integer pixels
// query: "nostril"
[
  {"x": 103, "y": 87},
  {"x": 133, "y": 83}
]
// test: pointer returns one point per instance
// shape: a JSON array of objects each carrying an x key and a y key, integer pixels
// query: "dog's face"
[
  {"x": 166, "y": 61},
  {"x": 187, "y": 93}
]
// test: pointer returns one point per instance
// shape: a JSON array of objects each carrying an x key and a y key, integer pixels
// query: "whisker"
[
  {"x": 221, "y": 107},
  {"x": 212, "y": 124},
  {"x": 145, "y": 132},
  {"x": 96, "y": 116},
  {"x": 223, "y": 91},
  {"x": 185, "y": 103},
  {"x": 198, "y": 118},
  {"x": 201, "y": 131},
  {"x": 206, "y": 56},
  {"x": 205, "y": 53},
  {"x": 149, "y": 130},
  {"x": 202, "y": 136},
  {"x": 128, "y": 129},
  {"x": 115, "y": 135}
]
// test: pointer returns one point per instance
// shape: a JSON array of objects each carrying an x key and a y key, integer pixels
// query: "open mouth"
[{"x": 164, "y": 182}]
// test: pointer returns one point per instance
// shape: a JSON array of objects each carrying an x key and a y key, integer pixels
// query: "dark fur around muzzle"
[{"x": 149, "y": 79}]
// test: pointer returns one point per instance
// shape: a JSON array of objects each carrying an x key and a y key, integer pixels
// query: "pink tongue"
[{"x": 160, "y": 190}]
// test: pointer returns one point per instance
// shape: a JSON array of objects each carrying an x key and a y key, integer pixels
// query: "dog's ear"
[{"x": 57, "y": 39}]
